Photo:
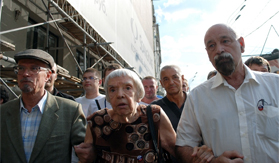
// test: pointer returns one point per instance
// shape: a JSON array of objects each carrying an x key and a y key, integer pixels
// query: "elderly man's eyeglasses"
[
  {"x": 90, "y": 78},
  {"x": 19, "y": 70}
]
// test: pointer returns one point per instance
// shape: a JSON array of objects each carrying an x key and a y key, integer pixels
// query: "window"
[
  {"x": 80, "y": 60},
  {"x": 36, "y": 39}
]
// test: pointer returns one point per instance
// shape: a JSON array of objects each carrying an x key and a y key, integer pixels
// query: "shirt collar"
[
  {"x": 41, "y": 104},
  {"x": 219, "y": 79}
]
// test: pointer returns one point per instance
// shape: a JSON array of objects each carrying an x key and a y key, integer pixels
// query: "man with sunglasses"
[
  {"x": 91, "y": 81},
  {"x": 39, "y": 127}
]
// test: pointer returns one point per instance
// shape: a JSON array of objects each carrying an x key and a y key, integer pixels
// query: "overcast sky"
[{"x": 183, "y": 23}]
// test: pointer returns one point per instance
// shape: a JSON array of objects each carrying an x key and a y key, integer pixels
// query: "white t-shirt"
[
  {"x": 103, "y": 104},
  {"x": 86, "y": 103},
  {"x": 143, "y": 103},
  {"x": 228, "y": 119}
]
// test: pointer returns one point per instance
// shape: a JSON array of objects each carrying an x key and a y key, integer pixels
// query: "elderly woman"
[{"x": 122, "y": 134}]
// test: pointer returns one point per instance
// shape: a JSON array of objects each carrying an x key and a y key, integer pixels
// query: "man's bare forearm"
[{"x": 184, "y": 154}]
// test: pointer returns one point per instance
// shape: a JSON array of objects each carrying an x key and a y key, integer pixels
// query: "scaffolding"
[
  {"x": 71, "y": 22},
  {"x": 70, "y": 25}
]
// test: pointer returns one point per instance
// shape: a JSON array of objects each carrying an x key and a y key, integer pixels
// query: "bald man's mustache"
[
  {"x": 224, "y": 63},
  {"x": 223, "y": 55}
]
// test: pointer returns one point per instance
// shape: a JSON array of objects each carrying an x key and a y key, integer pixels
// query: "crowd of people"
[{"x": 231, "y": 117}]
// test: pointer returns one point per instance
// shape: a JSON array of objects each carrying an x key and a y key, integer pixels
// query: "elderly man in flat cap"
[{"x": 39, "y": 127}]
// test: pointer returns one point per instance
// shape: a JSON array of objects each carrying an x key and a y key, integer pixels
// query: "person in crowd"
[
  {"x": 4, "y": 95},
  {"x": 211, "y": 74},
  {"x": 172, "y": 80},
  {"x": 235, "y": 113},
  {"x": 185, "y": 85},
  {"x": 50, "y": 85},
  {"x": 258, "y": 63},
  {"x": 274, "y": 64},
  {"x": 91, "y": 81},
  {"x": 39, "y": 127},
  {"x": 102, "y": 102},
  {"x": 123, "y": 133},
  {"x": 150, "y": 89}
]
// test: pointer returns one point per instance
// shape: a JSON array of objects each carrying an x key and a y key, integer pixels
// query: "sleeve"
[
  {"x": 188, "y": 130},
  {"x": 78, "y": 127}
]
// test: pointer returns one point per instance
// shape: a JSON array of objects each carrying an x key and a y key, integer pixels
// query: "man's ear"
[
  {"x": 100, "y": 82},
  {"x": 55, "y": 76},
  {"x": 48, "y": 73},
  {"x": 242, "y": 44},
  {"x": 162, "y": 84}
]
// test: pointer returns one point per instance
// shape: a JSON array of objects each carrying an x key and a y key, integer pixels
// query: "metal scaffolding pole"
[
  {"x": 47, "y": 35},
  {"x": 30, "y": 26},
  {"x": 59, "y": 30},
  {"x": 8, "y": 87},
  {"x": 66, "y": 14},
  {"x": 84, "y": 52},
  {"x": 77, "y": 46},
  {"x": 87, "y": 34},
  {"x": 98, "y": 60},
  {"x": 8, "y": 59},
  {"x": 1, "y": 4}
]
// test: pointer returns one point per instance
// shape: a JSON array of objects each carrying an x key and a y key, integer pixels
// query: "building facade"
[{"x": 83, "y": 34}]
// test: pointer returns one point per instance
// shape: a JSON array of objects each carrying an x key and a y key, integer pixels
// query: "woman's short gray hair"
[{"x": 125, "y": 72}]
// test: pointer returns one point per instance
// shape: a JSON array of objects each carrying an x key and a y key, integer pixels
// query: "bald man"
[{"x": 236, "y": 113}]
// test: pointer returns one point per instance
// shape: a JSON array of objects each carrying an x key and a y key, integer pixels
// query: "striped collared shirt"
[{"x": 30, "y": 123}]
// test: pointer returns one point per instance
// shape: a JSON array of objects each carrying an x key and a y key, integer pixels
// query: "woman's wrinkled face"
[{"x": 123, "y": 96}]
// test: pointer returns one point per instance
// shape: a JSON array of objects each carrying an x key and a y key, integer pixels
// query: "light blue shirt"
[{"x": 30, "y": 123}]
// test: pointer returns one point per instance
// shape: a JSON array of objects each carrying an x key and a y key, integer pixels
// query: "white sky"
[{"x": 183, "y": 23}]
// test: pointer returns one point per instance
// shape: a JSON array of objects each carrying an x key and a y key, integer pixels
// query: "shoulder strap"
[
  {"x": 152, "y": 128},
  {"x": 162, "y": 155},
  {"x": 98, "y": 105}
]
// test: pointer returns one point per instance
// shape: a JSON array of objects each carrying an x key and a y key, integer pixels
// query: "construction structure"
[{"x": 81, "y": 34}]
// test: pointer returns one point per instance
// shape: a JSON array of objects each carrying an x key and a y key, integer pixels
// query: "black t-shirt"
[
  {"x": 64, "y": 95},
  {"x": 171, "y": 109}
]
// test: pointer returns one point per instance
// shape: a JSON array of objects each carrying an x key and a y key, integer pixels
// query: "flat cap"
[{"x": 35, "y": 54}]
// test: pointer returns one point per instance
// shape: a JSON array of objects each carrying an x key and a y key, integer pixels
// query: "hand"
[
  {"x": 89, "y": 117},
  {"x": 85, "y": 152},
  {"x": 229, "y": 157},
  {"x": 202, "y": 154}
]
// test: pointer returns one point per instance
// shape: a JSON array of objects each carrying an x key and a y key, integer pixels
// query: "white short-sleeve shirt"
[
  {"x": 228, "y": 119},
  {"x": 85, "y": 103}
]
